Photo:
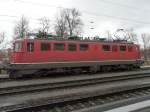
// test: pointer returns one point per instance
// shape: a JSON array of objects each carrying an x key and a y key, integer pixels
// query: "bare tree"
[
  {"x": 146, "y": 44},
  {"x": 61, "y": 24},
  {"x": 69, "y": 21},
  {"x": 2, "y": 37},
  {"x": 4, "y": 43},
  {"x": 44, "y": 25},
  {"x": 73, "y": 20},
  {"x": 21, "y": 28}
]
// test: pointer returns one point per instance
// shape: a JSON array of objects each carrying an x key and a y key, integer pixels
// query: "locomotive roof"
[{"x": 84, "y": 40}]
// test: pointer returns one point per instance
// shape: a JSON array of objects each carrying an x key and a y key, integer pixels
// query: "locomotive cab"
[{"x": 18, "y": 50}]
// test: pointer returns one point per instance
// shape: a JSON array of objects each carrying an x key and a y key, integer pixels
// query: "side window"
[
  {"x": 17, "y": 47},
  {"x": 30, "y": 47},
  {"x": 72, "y": 47},
  {"x": 106, "y": 47},
  {"x": 122, "y": 48},
  {"x": 59, "y": 47},
  {"x": 130, "y": 48},
  {"x": 45, "y": 46},
  {"x": 84, "y": 47},
  {"x": 114, "y": 48}
]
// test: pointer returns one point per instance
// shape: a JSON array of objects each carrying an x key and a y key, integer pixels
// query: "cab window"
[
  {"x": 30, "y": 47},
  {"x": 136, "y": 48},
  {"x": 17, "y": 47}
]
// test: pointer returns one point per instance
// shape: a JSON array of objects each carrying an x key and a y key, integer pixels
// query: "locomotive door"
[
  {"x": 18, "y": 51},
  {"x": 96, "y": 52},
  {"x": 30, "y": 51}
]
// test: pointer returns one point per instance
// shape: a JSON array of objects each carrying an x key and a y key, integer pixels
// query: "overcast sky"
[{"x": 106, "y": 14}]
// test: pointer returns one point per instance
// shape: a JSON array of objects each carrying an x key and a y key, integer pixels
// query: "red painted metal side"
[{"x": 95, "y": 53}]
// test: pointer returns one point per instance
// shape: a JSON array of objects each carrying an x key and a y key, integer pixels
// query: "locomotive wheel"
[
  {"x": 130, "y": 67},
  {"x": 137, "y": 67},
  {"x": 106, "y": 69},
  {"x": 77, "y": 71},
  {"x": 94, "y": 69}
]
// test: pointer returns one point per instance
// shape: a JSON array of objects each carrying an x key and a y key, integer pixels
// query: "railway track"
[
  {"x": 18, "y": 95},
  {"x": 57, "y": 84},
  {"x": 24, "y": 100},
  {"x": 98, "y": 103}
]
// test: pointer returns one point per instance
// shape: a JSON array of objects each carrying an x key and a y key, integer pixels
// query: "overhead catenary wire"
[
  {"x": 123, "y": 5},
  {"x": 105, "y": 1},
  {"x": 16, "y": 17},
  {"x": 91, "y": 13},
  {"x": 86, "y": 12},
  {"x": 40, "y": 4},
  {"x": 115, "y": 17}
]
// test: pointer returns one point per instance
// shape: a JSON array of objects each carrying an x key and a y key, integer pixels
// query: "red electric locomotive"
[{"x": 33, "y": 56}]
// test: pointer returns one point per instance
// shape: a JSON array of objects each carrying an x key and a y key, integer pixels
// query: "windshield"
[{"x": 17, "y": 47}]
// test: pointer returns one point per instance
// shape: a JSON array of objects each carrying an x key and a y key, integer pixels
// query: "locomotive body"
[{"x": 42, "y": 55}]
